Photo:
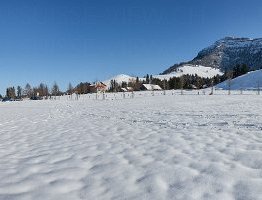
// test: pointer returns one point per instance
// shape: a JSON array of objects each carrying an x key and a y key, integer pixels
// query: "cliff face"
[{"x": 227, "y": 53}]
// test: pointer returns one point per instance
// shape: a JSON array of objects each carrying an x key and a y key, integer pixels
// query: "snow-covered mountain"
[
  {"x": 249, "y": 81},
  {"x": 227, "y": 53}
]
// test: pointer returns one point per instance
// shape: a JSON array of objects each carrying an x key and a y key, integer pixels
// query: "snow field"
[
  {"x": 149, "y": 94},
  {"x": 150, "y": 147}
]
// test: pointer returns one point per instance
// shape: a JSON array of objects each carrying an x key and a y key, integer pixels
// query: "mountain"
[
  {"x": 249, "y": 81},
  {"x": 227, "y": 53}
]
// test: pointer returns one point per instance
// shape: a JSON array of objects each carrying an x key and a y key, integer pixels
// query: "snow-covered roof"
[{"x": 152, "y": 87}]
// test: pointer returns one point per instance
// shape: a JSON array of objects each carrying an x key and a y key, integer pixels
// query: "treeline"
[
  {"x": 238, "y": 70},
  {"x": 183, "y": 82},
  {"x": 43, "y": 91},
  {"x": 28, "y": 91},
  {"x": 196, "y": 82}
]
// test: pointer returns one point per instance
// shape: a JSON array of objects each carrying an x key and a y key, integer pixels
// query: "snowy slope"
[
  {"x": 202, "y": 71},
  {"x": 248, "y": 81},
  {"x": 161, "y": 147},
  {"x": 119, "y": 79}
]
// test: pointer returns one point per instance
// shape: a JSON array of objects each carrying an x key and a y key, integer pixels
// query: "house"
[
  {"x": 123, "y": 90},
  {"x": 150, "y": 87},
  {"x": 127, "y": 89},
  {"x": 130, "y": 89},
  {"x": 98, "y": 87}
]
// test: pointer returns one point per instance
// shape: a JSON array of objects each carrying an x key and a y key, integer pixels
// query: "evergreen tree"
[
  {"x": 10, "y": 93},
  {"x": 147, "y": 79}
]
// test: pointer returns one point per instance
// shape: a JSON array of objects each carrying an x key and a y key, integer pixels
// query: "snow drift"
[{"x": 161, "y": 147}]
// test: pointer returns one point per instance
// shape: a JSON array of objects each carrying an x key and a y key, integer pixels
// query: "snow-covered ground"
[
  {"x": 146, "y": 147},
  {"x": 249, "y": 81}
]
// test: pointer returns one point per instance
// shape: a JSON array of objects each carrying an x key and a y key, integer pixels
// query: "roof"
[
  {"x": 98, "y": 84},
  {"x": 124, "y": 89},
  {"x": 152, "y": 87}
]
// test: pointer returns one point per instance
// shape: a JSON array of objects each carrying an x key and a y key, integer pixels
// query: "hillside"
[
  {"x": 119, "y": 79},
  {"x": 248, "y": 81},
  {"x": 201, "y": 71}
]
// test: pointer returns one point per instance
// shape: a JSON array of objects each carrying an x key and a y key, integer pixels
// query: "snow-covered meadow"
[{"x": 148, "y": 147}]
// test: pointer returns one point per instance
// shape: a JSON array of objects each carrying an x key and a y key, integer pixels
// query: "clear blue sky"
[{"x": 88, "y": 40}]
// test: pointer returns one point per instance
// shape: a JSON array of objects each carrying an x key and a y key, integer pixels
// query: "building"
[
  {"x": 123, "y": 90},
  {"x": 98, "y": 87},
  {"x": 130, "y": 89},
  {"x": 127, "y": 89},
  {"x": 150, "y": 87}
]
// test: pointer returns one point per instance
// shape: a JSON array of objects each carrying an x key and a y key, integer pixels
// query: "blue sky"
[{"x": 87, "y": 40}]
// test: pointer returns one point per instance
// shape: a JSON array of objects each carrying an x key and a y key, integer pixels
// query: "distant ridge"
[{"x": 226, "y": 53}]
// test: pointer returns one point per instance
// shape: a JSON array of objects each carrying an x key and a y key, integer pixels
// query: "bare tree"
[
  {"x": 41, "y": 89},
  {"x": 46, "y": 91},
  {"x": 10, "y": 93},
  {"x": 70, "y": 89},
  {"x": 28, "y": 92},
  {"x": 55, "y": 90},
  {"x": 19, "y": 92}
]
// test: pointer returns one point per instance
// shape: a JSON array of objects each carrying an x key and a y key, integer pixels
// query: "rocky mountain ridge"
[{"x": 226, "y": 53}]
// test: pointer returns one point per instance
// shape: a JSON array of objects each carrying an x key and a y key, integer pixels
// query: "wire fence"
[{"x": 143, "y": 94}]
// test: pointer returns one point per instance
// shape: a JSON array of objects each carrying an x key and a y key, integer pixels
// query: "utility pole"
[
  {"x": 212, "y": 87},
  {"x": 258, "y": 88},
  {"x": 164, "y": 87},
  {"x": 229, "y": 82},
  {"x": 182, "y": 84}
]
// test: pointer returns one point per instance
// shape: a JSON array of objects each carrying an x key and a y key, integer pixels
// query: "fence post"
[{"x": 258, "y": 88}]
